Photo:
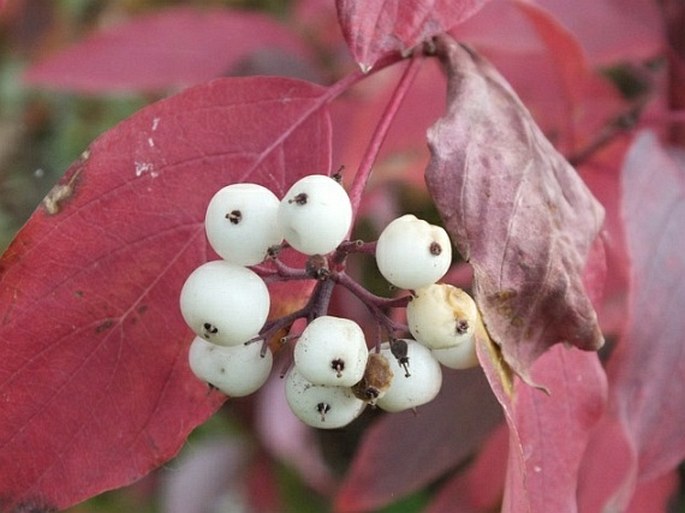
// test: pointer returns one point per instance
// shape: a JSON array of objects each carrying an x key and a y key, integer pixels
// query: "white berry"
[
  {"x": 315, "y": 215},
  {"x": 461, "y": 356},
  {"x": 417, "y": 378},
  {"x": 321, "y": 406},
  {"x": 411, "y": 253},
  {"x": 331, "y": 351},
  {"x": 235, "y": 370},
  {"x": 224, "y": 303},
  {"x": 241, "y": 223},
  {"x": 441, "y": 316}
]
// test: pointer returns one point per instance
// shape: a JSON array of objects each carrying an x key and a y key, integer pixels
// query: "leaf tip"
[{"x": 365, "y": 67}]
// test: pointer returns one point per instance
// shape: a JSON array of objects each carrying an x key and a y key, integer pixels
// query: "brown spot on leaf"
[
  {"x": 104, "y": 326},
  {"x": 53, "y": 202}
]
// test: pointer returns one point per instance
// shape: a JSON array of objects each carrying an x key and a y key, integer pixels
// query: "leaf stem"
[
  {"x": 381, "y": 131},
  {"x": 374, "y": 304},
  {"x": 345, "y": 83}
]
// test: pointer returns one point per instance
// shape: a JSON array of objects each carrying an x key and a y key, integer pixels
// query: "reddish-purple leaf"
[
  {"x": 201, "y": 476},
  {"x": 549, "y": 430},
  {"x": 647, "y": 368},
  {"x": 606, "y": 478},
  {"x": 94, "y": 383},
  {"x": 173, "y": 48},
  {"x": 517, "y": 212},
  {"x": 376, "y": 28},
  {"x": 404, "y": 452}
]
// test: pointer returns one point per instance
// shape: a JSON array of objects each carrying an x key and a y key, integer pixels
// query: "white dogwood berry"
[
  {"x": 461, "y": 356},
  {"x": 411, "y": 253},
  {"x": 417, "y": 377},
  {"x": 224, "y": 303},
  {"x": 315, "y": 215},
  {"x": 241, "y": 223},
  {"x": 441, "y": 316},
  {"x": 331, "y": 351},
  {"x": 235, "y": 370},
  {"x": 321, "y": 406}
]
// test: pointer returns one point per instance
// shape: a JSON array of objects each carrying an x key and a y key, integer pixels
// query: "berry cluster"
[{"x": 333, "y": 375}]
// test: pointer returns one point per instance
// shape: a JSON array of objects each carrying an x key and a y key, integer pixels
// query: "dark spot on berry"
[
  {"x": 210, "y": 329},
  {"x": 235, "y": 216},
  {"x": 300, "y": 199},
  {"x": 462, "y": 326},
  {"x": 222, "y": 370},
  {"x": 273, "y": 251},
  {"x": 338, "y": 365},
  {"x": 435, "y": 248},
  {"x": 323, "y": 409}
]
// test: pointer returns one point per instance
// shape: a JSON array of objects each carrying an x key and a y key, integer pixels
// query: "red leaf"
[
  {"x": 479, "y": 488},
  {"x": 376, "y": 28},
  {"x": 647, "y": 368},
  {"x": 404, "y": 452},
  {"x": 404, "y": 154},
  {"x": 602, "y": 175},
  {"x": 608, "y": 31},
  {"x": 549, "y": 431},
  {"x": 546, "y": 66},
  {"x": 173, "y": 48},
  {"x": 555, "y": 36},
  {"x": 516, "y": 210},
  {"x": 93, "y": 376},
  {"x": 655, "y": 495},
  {"x": 612, "y": 30}
]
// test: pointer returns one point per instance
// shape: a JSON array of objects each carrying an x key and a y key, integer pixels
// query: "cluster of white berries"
[
  {"x": 334, "y": 375},
  {"x": 225, "y": 303}
]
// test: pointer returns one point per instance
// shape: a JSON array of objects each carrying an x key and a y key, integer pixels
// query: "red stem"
[
  {"x": 381, "y": 131},
  {"x": 348, "y": 81}
]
